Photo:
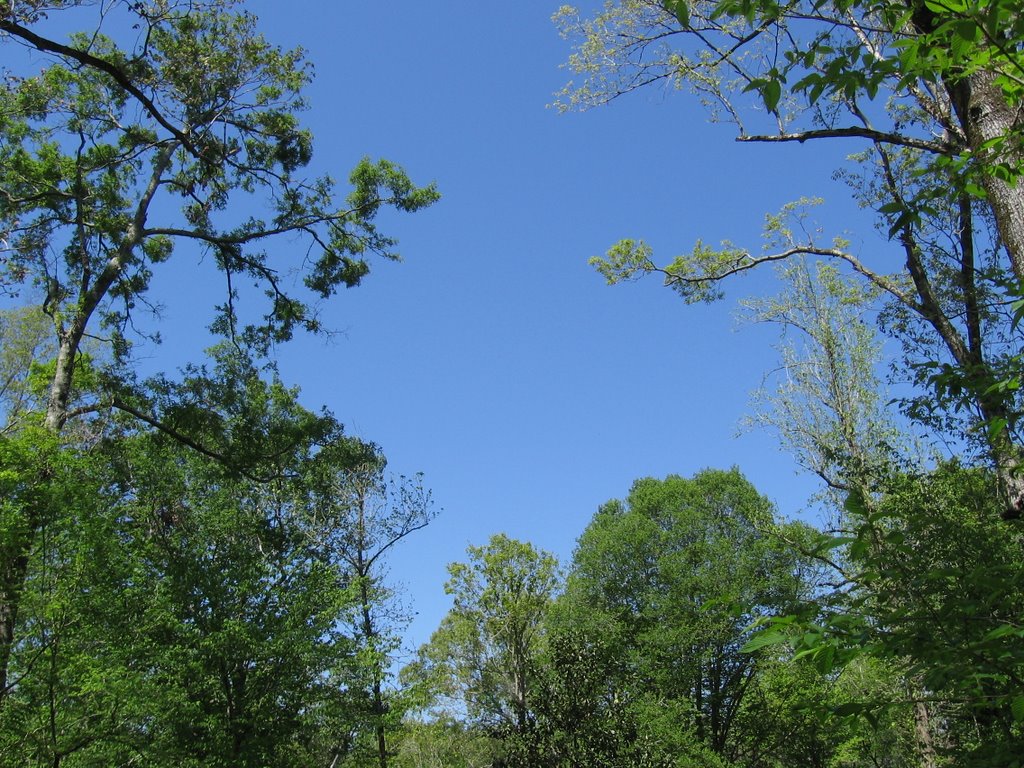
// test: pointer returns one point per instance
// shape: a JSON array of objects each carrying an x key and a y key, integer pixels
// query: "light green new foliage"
[
  {"x": 932, "y": 90},
  {"x": 827, "y": 402},
  {"x": 484, "y": 654},
  {"x": 43, "y": 717},
  {"x": 443, "y": 743}
]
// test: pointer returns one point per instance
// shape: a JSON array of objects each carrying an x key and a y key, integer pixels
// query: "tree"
[
  {"x": 226, "y": 131},
  {"x": 796, "y": 715},
  {"x": 826, "y": 401},
  {"x": 674, "y": 577},
  {"x": 934, "y": 589},
  {"x": 247, "y": 650},
  {"x": 182, "y": 613},
  {"x": 484, "y": 654},
  {"x": 24, "y": 340},
  {"x": 45, "y": 720},
  {"x": 583, "y": 710},
  {"x": 119, "y": 155},
  {"x": 933, "y": 89},
  {"x": 918, "y": 552},
  {"x": 366, "y": 515},
  {"x": 829, "y": 411}
]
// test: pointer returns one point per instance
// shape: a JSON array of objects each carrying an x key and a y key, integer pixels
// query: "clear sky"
[{"x": 494, "y": 359}]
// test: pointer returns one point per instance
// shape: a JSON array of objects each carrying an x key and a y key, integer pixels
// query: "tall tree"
[
  {"x": 674, "y": 576},
  {"x": 829, "y": 410},
  {"x": 485, "y": 653},
  {"x": 922, "y": 565},
  {"x": 128, "y": 150},
  {"x": 826, "y": 401},
  {"x": 365, "y": 516},
  {"x": 182, "y": 613},
  {"x": 932, "y": 89}
]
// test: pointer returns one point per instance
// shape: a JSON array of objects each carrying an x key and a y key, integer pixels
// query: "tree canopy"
[
  {"x": 930, "y": 91},
  {"x": 118, "y": 154},
  {"x": 194, "y": 564},
  {"x": 171, "y": 131}
]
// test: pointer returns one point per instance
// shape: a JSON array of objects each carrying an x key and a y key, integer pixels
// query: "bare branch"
[{"x": 938, "y": 147}]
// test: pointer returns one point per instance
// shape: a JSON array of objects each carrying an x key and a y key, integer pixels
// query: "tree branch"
[
  {"x": 185, "y": 440},
  {"x": 94, "y": 62},
  {"x": 854, "y": 132},
  {"x": 180, "y": 437},
  {"x": 929, "y": 307},
  {"x": 747, "y": 262}
]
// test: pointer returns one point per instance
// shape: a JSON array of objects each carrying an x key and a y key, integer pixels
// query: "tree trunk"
[
  {"x": 370, "y": 634},
  {"x": 60, "y": 387},
  {"x": 984, "y": 115},
  {"x": 12, "y": 579},
  {"x": 923, "y": 735}
]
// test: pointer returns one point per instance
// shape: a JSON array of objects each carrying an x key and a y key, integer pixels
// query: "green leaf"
[
  {"x": 847, "y": 709},
  {"x": 681, "y": 9},
  {"x": 764, "y": 640},
  {"x": 1017, "y": 708},
  {"x": 833, "y": 542},
  {"x": 855, "y": 504},
  {"x": 1006, "y": 630},
  {"x": 771, "y": 93}
]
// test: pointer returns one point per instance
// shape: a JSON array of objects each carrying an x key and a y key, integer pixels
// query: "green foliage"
[
  {"x": 934, "y": 87},
  {"x": 116, "y": 157},
  {"x": 935, "y": 590},
  {"x": 484, "y": 655},
  {"x": 925, "y": 567},
  {"x": 43, "y": 717},
  {"x": 177, "y": 609},
  {"x": 25, "y": 337},
  {"x": 944, "y": 583},
  {"x": 581, "y": 710},
  {"x": 626, "y": 260},
  {"x": 170, "y": 590},
  {"x": 668, "y": 582},
  {"x": 827, "y": 404},
  {"x": 444, "y": 743}
]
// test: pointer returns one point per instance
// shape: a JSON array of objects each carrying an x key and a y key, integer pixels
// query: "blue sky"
[{"x": 494, "y": 359}]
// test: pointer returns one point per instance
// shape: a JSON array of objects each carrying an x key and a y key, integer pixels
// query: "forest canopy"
[{"x": 194, "y": 563}]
